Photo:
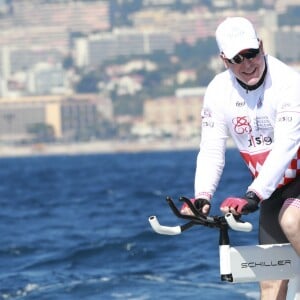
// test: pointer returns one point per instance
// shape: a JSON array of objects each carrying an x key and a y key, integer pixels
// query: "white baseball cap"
[{"x": 234, "y": 35}]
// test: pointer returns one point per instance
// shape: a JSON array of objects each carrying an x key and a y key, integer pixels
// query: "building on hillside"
[
  {"x": 287, "y": 40},
  {"x": 14, "y": 59},
  {"x": 70, "y": 117},
  {"x": 73, "y": 16},
  {"x": 96, "y": 49},
  {"x": 176, "y": 117}
]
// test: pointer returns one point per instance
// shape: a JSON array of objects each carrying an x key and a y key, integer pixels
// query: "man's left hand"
[{"x": 245, "y": 205}]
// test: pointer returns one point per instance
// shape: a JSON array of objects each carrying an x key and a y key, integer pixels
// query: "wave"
[
  {"x": 133, "y": 287},
  {"x": 126, "y": 277}
]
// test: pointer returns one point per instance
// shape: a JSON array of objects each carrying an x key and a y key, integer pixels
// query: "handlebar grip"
[
  {"x": 167, "y": 230},
  {"x": 237, "y": 225}
]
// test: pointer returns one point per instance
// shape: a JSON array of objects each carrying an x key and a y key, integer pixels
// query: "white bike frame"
[{"x": 251, "y": 263}]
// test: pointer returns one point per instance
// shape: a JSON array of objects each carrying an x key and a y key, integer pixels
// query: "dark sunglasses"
[{"x": 239, "y": 58}]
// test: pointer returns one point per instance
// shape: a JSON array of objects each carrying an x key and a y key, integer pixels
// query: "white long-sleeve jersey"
[{"x": 264, "y": 124}]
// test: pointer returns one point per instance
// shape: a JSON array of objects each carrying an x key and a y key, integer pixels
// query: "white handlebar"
[
  {"x": 174, "y": 230},
  {"x": 238, "y": 226},
  {"x": 167, "y": 230}
]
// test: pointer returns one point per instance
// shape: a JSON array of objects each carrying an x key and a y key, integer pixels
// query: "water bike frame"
[{"x": 251, "y": 263}]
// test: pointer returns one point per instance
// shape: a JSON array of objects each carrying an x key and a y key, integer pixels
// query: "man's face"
[{"x": 250, "y": 70}]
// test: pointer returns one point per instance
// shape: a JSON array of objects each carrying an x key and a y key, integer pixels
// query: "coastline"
[
  {"x": 100, "y": 147},
  {"x": 95, "y": 147}
]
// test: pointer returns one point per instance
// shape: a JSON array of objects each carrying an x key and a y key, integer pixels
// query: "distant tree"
[
  {"x": 88, "y": 84},
  {"x": 68, "y": 62},
  {"x": 120, "y": 11},
  {"x": 204, "y": 75},
  {"x": 128, "y": 105},
  {"x": 291, "y": 16},
  {"x": 42, "y": 132},
  {"x": 105, "y": 129},
  {"x": 200, "y": 53}
]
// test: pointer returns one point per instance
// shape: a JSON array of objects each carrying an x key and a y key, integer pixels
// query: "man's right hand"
[{"x": 202, "y": 205}]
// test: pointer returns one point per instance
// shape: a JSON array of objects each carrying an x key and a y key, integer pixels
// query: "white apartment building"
[{"x": 96, "y": 49}]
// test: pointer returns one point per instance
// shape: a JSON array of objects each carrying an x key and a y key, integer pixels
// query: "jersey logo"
[
  {"x": 255, "y": 141},
  {"x": 242, "y": 125},
  {"x": 207, "y": 120},
  {"x": 255, "y": 161},
  {"x": 240, "y": 103}
]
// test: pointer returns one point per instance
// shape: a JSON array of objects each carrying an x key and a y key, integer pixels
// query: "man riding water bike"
[{"x": 256, "y": 101}]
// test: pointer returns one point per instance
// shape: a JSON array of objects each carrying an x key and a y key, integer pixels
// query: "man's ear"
[
  {"x": 225, "y": 62},
  {"x": 261, "y": 47}
]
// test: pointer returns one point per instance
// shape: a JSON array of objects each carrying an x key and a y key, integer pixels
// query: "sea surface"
[{"x": 76, "y": 227}]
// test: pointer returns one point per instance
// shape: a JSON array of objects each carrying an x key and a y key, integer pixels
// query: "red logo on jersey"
[
  {"x": 242, "y": 125},
  {"x": 255, "y": 161}
]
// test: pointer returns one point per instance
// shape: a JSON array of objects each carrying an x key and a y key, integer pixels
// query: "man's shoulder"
[
  {"x": 221, "y": 80},
  {"x": 223, "y": 76},
  {"x": 277, "y": 68},
  {"x": 282, "y": 83},
  {"x": 219, "y": 88}
]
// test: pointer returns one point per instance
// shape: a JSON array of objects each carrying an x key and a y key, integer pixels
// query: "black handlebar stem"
[
  {"x": 191, "y": 206},
  {"x": 198, "y": 218}
]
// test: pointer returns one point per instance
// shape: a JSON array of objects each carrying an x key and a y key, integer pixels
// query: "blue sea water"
[{"x": 76, "y": 227}]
